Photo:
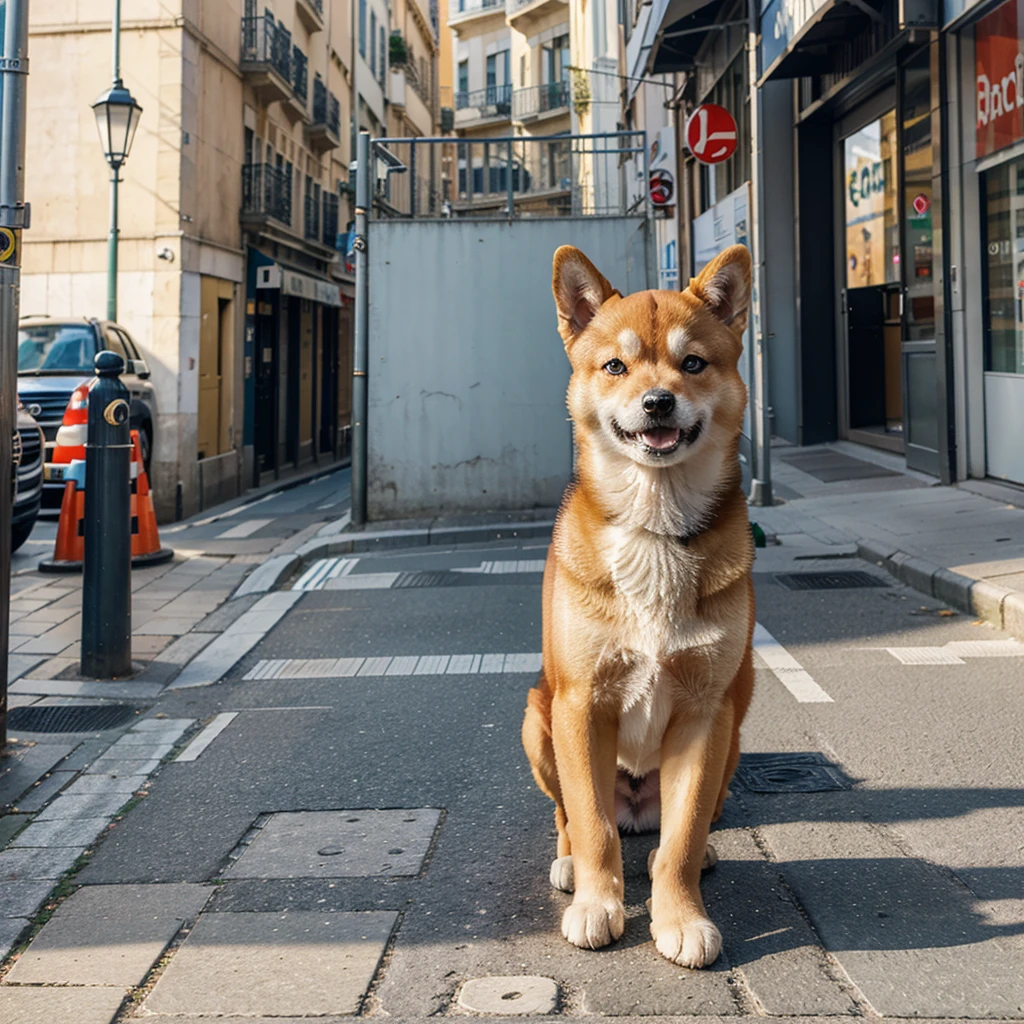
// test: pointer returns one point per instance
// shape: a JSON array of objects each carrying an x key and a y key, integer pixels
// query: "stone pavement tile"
[
  {"x": 123, "y": 766},
  {"x": 72, "y": 832},
  {"x": 108, "y": 934},
  {"x": 87, "y": 785},
  {"x": 158, "y": 724},
  {"x": 339, "y": 844},
  {"x": 95, "y": 805},
  {"x": 20, "y": 899},
  {"x": 217, "y": 659},
  {"x": 158, "y": 731},
  {"x": 300, "y": 963},
  {"x": 59, "y": 1005},
  {"x": 52, "y": 642},
  {"x": 10, "y": 824},
  {"x": 10, "y": 929},
  {"x": 21, "y": 700},
  {"x": 24, "y": 765},
  {"x": 21, "y": 864},
  {"x": 138, "y": 751},
  {"x": 51, "y": 668},
  {"x": 27, "y": 604},
  {"x": 146, "y": 646},
  {"x": 167, "y": 625},
  {"x": 43, "y": 791},
  {"x": 186, "y": 647},
  {"x": 84, "y": 754},
  {"x": 909, "y": 936},
  {"x": 20, "y": 664}
]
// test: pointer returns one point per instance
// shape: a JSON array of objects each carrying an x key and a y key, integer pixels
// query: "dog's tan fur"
[{"x": 648, "y": 599}]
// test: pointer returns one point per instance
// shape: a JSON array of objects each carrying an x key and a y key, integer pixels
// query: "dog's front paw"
[
  {"x": 561, "y": 874},
  {"x": 593, "y": 923},
  {"x": 694, "y": 944}
]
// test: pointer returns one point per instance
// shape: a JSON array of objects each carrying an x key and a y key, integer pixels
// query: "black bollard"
[{"x": 107, "y": 573}]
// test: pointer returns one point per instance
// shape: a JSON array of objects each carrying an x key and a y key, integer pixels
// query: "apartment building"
[{"x": 234, "y": 215}]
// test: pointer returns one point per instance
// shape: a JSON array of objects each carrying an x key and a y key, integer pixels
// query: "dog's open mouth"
[{"x": 660, "y": 440}]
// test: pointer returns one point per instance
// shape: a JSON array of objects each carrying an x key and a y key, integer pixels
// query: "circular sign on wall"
[
  {"x": 711, "y": 134},
  {"x": 922, "y": 204},
  {"x": 662, "y": 188}
]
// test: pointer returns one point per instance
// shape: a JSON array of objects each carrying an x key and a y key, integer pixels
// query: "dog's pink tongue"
[{"x": 661, "y": 437}]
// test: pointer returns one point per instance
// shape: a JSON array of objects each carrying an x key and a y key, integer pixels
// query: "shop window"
[{"x": 1004, "y": 256}]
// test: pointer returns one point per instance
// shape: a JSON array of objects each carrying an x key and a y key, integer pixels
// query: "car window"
[
  {"x": 133, "y": 349},
  {"x": 56, "y": 348},
  {"x": 115, "y": 343}
]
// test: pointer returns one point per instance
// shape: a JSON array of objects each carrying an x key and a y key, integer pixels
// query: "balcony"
[
  {"x": 484, "y": 105},
  {"x": 523, "y": 14},
  {"x": 297, "y": 102},
  {"x": 312, "y": 14},
  {"x": 325, "y": 127},
  {"x": 266, "y": 60},
  {"x": 330, "y": 236},
  {"x": 311, "y": 217},
  {"x": 266, "y": 195},
  {"x": 540, "y": 101},
  {"x": 460, "y": 11}
]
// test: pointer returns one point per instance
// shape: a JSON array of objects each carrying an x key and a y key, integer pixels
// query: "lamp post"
[{"x": 117, "y": 116}]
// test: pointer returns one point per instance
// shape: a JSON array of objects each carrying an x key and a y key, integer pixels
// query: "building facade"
[{"x": 235, "y": 210}]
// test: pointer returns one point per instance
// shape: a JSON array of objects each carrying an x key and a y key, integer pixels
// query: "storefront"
[
  {"x": 989, "y": 290},
  {"x": 867, "y": 349}
]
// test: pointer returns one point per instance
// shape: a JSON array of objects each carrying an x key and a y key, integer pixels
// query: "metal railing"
[
  {"x": 474, "y": 6},
  {"x": 267, "y": 192},
  {"x": 311, "y": 216},
  {"x": 420, "y": 86},
  {"x": 522, "y": 176},
  {"x": 300, "y": 74},
  {"x": 540, "y": 99},
  {"x": 493, "y": 101},
  {"x": 266, "y": 43},
  {"x": 330, "y": 235},
  {"x": 326, "y": 108}
]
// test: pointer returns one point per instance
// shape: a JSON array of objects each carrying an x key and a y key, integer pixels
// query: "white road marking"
[
  {"x": 246, "y": 529},
  {"x": 787, "y": 669},
  {"x": 924, "y": 656},
  {"x": 399, "y": 665},
  {"x": 322, "y": 570},
  {"x": 956, "y": 651},
  {"x": 522, "y": 565},
  {"x": 207, "y": 736},
  {"x": 364, "y": 581}
]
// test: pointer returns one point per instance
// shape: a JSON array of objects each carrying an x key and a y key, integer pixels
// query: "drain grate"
[
  {"x": 407, "y": 580},
  {"x": 62, "y": 718},
  {"x": 808, "y": 772},
  {"x": 829, "y": 580}
]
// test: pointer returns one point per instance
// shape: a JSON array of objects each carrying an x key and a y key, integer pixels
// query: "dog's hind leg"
[{"x": 541, "y": 752}]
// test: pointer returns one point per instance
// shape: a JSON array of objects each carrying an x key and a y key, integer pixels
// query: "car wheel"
[{"x": 20, "y": 533}]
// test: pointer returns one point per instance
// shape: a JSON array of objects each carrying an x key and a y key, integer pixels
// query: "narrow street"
[{"x": 351, "y": 808}]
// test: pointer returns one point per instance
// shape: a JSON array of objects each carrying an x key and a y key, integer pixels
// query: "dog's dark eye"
[
  {"x": 615, "y": 366},
  {"x": 694, "y": 364}
]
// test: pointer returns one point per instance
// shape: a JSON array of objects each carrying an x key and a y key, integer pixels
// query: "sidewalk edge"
[{"x": 1003, "y": 607}]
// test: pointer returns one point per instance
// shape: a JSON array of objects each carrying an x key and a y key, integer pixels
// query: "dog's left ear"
[
  {"x": 724, "y": 287},
  {"x": 579, "y": 289}
]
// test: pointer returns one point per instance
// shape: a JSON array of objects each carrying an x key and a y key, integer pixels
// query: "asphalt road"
[{"x": 901, "y": 895}]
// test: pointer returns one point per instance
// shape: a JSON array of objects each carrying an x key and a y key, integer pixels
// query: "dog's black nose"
[{"x": 659, "y": 402}]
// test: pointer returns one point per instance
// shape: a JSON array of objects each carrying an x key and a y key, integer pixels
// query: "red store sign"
[{"x": 999, "y": 71}]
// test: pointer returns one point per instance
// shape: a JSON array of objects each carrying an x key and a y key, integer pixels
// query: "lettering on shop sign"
[
  {"x": 999, "y": 79},
  {"x": 866, "y": 181}
]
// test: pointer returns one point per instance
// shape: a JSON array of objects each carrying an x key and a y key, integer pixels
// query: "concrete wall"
[{"x": 467, "y": 373}]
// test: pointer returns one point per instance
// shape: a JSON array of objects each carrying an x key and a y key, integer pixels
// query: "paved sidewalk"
[{"x": 947, "y": 542}]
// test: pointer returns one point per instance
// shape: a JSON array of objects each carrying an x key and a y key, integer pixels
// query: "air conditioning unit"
[{"x": 447, "y": 120}]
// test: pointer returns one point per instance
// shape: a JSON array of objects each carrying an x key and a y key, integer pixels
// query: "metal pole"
[
  {"x": 14, "y": 215},
  {"x": 761, "y": 475},
  {"x": 412, "y": 180},
  {"x": 508, "y": 181},
  {"x": 360, "y": 355},
  {"x": 112, "y": 249},
  {"x": 353, "y": 145}
]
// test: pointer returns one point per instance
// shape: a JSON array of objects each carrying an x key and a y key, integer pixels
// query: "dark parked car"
[
  {"x": 28, "y": 477},
  {"x": 55, "y": 354}
]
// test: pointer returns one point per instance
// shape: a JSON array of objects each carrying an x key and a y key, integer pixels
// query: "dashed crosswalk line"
[
  {"x": 246, "y": 529},
  {"x": 787, "y": 669},
  {"x": 395, "y": 665},
  {"x": 522, "y": 565},
  {"x": 322, "y": 570},
  {"x": 957, "y": 651}
]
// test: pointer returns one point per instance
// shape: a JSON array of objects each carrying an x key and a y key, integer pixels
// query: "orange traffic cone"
[
  {"x": 146, "y": 548},
  {"x": 69, "y": 550},
  {"x": 74, "y": 429}
]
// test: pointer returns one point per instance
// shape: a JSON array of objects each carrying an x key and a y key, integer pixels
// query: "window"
[
  {"x": 556, "y": 60},
  {"x": 362, "y": 28},
  {"x": 56, "y": 348},
  {"x": 492, "y": 71},
  {"x": 373, "y": 49},
  {"x": 249, "y": 145},
  {"x": 1004, "y": 265},
  {"x": 113, "y": 341},
  {"x": 463, "y": 76},
  {"x": 383, "y": 55},
  {"x": 522, "y": 70}
]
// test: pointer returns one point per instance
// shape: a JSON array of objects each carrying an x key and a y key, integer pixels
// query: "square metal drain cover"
[
  {"x": 339, "y": 844},
  {"x": 809, "y": 772},
  {"x": 441, "y": 578},
  {"x": 829, "y": 580},
  {"x": 64, "y": 718}
]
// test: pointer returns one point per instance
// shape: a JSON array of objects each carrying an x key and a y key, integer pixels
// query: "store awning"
[
  {"x": 654, "y": 49},
  {"x": 304, "y": 286}
]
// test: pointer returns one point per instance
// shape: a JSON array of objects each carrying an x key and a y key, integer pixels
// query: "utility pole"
[
  {"x": 354, "y": 79},
  {"x": 14, "y": 216},
  {"x": 360, "y": 360}
]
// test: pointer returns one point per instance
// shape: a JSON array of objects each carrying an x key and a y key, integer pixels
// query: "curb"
[{"x": 1002, "y": 607}]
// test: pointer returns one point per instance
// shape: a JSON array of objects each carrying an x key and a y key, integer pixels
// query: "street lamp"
[{"x": 117, "y": 116}]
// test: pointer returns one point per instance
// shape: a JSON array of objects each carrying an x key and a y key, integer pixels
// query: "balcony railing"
[
  {"x": 300, "y": 74},
  {"x": 494, "y": 101},
  {"x": 473, "y": 6},
  {"x": 326, "y": 110},
  {"x": 419, "y": 83},
  {"x": 266, "y": 192},
  {"x": 267, "y": 44},
  {"x": 311, "y": 217},
  {"x": 540, "y": 99},
  {"x": 330, "y": 236}
]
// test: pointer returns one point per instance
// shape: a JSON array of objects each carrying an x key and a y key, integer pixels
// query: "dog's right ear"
[{"x": 580, "y": 290}]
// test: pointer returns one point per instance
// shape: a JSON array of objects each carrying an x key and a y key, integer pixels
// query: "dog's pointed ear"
[
  {"x": 580, "y": 290},
  {"x": 724, "y": 287}
]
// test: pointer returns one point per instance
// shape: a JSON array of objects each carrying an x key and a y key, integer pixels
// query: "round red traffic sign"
[
  {"x": 662, "y": 187},
  {"x": 711, "y": 134},
  {"x": 922, "y": 204}
]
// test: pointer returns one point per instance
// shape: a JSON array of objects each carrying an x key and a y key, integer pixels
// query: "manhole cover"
[
  {"x": 425, "y": 579},
  {"x": 828, "y": 580},
  {"x": 63, "y": 718},
  {"x": 790, "y": 773}
]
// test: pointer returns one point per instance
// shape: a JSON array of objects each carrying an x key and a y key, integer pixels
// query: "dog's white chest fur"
[{"x": 656, "y": 580}]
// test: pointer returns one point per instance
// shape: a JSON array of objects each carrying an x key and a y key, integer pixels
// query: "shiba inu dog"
[{"x": 648, "y": 599}]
